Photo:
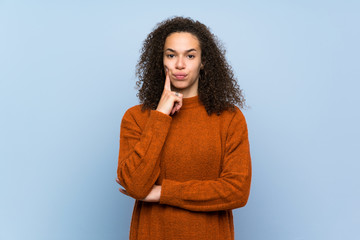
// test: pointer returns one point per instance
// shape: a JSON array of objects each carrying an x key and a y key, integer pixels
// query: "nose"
[{"x": 180, "y": 64}]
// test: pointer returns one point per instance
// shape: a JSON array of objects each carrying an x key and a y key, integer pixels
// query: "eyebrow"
[{"x": 172, "y": 50}]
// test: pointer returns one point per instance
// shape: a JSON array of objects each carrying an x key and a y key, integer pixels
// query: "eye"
[
  {"x": 170, "y": 55},
  {"x": 191, "y": 56}
]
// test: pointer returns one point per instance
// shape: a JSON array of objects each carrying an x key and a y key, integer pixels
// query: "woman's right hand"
[{"x": 169, "y": 103}]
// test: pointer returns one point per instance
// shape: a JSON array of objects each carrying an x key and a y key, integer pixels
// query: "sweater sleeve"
[
  {"x": 138, "y": 161},
  {"x": 231, "y": 190}
]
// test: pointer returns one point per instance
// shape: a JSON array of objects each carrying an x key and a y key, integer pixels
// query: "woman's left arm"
[{"x": 231, "y": 190}]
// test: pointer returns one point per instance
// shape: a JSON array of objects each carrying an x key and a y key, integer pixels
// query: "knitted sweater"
[{"x": 202, "y": 163}]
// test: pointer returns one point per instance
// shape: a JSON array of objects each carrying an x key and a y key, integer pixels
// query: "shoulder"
[
  {"x": 233, "y": 114},
  {"x": 136, "y": 114},
  {"x": 234, "y": 122},
  {"x": 136, "y": 111}
]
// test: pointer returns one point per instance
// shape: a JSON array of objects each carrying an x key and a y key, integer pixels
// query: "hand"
[
  {"x": 169, "y": 103},
  {"x": 153, "y": 196}
]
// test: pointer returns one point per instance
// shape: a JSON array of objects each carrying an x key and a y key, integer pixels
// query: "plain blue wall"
[{"x": 67, "y": 77}]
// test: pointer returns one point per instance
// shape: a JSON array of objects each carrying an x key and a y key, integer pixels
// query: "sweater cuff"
[
  {"x": 160, "y": 115},
  {"x": 169, "y": 192},
  {"x": 159, "y": 121}
]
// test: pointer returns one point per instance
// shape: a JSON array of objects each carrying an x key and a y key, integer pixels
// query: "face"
[{"x": 182, "y": 57}]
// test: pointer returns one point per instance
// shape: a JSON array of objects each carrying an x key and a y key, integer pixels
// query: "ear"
[{"x": 202, "y": 66}]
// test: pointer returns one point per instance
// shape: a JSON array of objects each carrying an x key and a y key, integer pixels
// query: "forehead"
[{"x": 181, "y": 41}]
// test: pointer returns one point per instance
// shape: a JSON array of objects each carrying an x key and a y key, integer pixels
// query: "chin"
[{"x": 180, "y": 85}]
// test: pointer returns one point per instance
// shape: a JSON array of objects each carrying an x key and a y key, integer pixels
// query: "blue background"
[{"x": 67, "y": 77}]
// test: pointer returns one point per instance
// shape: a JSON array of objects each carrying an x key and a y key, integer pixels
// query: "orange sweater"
[{"x": 202, "y": 162}]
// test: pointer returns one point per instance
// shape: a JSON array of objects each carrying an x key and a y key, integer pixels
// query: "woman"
[{"x": 184, "y": 151}]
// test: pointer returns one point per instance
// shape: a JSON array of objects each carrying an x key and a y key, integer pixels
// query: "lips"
[{"x": 180, "y": 75}]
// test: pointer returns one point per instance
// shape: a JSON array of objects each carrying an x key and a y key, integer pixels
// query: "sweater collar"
[{"x": 191, "y": 102}]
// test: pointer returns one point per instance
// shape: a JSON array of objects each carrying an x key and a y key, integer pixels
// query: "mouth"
[{"x": 180, "y": 76}]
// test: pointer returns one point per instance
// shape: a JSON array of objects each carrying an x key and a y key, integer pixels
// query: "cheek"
[
  {"x": 166, "y": 64},
  {"x": 196, "y": 68}
]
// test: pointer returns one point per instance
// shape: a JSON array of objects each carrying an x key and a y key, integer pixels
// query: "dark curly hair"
[{"x": 217, "y": 89}]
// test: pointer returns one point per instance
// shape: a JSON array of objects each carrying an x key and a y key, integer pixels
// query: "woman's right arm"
[
  {"x": 139, "y": 161},
  {"x": 139, "y": 154}
]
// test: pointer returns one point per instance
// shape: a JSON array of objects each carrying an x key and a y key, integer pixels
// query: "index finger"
[{"x": 167, "y": 81}]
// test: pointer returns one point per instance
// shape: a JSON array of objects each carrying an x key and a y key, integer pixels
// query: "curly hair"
[{"x": 217, "y": 89}]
